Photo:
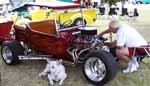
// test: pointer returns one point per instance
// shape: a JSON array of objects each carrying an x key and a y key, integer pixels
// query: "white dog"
[{"x": 55, "y": 71}]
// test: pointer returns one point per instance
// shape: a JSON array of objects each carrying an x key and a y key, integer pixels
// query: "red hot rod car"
[{"x": 75, "y": 45}]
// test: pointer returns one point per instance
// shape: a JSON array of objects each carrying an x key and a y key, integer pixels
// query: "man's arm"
[{"x": 104, "y": 32}]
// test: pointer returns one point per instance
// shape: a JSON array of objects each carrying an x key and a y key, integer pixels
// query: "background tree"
[{"x": 111, "y": 2}]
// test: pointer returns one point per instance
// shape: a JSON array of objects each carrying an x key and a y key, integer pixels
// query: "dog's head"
[{"x": 53, "y": 66}]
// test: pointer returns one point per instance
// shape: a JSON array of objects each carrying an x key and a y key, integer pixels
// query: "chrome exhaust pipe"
[{"x": 42, "y": 57}]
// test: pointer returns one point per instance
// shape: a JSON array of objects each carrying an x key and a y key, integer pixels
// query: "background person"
[{"x": 127, "y": 36}]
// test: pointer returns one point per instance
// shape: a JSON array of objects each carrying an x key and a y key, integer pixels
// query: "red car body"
[
  {"x": 5, "y": 28},
  {"x": 75, "y": 45}
]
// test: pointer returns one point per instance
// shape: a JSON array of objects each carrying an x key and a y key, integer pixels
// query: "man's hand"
[{"x": 111, "y": 44}]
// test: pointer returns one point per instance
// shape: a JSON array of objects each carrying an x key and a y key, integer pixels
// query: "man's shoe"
[
  {"x": 135, "y": 61},
  {"x": 131, "y": 68}
]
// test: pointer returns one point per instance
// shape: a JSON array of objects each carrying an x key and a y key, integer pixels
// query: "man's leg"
[{"x": 123, "y": 54}]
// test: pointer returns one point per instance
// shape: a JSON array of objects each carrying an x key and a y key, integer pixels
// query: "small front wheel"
[
  {"x": 99, "y": 67},
  {"x": 10, "y": 51}
]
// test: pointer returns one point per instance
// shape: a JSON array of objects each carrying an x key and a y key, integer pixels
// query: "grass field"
[{"x": 26, "y": 73}]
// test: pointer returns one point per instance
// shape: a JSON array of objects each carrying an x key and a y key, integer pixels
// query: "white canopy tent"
[{"x": 4, "y": 2}]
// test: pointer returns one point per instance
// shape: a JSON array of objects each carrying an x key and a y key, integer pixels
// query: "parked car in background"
[
  {"x": 89, "y": 15},
  {"x": 41, "y": 13},
  {"x": 142, "y": 1}
]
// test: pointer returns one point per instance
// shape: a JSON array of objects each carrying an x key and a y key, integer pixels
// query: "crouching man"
[{"x": 127, "y": 36}]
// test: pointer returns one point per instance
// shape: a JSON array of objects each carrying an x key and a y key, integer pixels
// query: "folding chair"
[
  {"x": 124, "y": 14},
  {"x": 101, "y": 12},
  {"x": 133, "y": 15},
  {"x": 140, "y": 52},
  {"x": 112, "y": 11}
]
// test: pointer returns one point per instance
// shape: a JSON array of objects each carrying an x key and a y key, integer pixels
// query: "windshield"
[{"x": 65, "y": 17}]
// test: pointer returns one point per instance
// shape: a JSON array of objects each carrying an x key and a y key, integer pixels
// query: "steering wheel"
[{"x": 66, "y": 23}]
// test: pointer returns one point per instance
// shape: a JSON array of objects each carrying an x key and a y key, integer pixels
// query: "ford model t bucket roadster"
[{"x": 75, "y": 45}]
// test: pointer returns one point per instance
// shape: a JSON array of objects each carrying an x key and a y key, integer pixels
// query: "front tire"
[
  {"x": 10, "y": 51},
  {"x": 99, "y": 67}
]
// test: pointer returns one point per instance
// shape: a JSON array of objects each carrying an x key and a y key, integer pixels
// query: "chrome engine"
[
  {"x": 84, "y": 38},
  {"x": 83, "y": 42}
]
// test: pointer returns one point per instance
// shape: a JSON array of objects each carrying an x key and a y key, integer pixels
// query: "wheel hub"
[
  {"x": 95, "y": 69},
  {"x": 7, "y": 55}
]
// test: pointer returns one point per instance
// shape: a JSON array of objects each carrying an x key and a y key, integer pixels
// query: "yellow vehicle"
[
  {"x": 89, "y": 15},
  {"x": 73, "y": 16}
]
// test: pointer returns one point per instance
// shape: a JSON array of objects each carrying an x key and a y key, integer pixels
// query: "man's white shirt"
[{"x": 128, "y": 36}]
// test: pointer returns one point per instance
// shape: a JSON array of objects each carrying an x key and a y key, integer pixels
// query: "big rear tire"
[
  {"x": 99, "y": 67},
  {"x": 10, "y": 51}
]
